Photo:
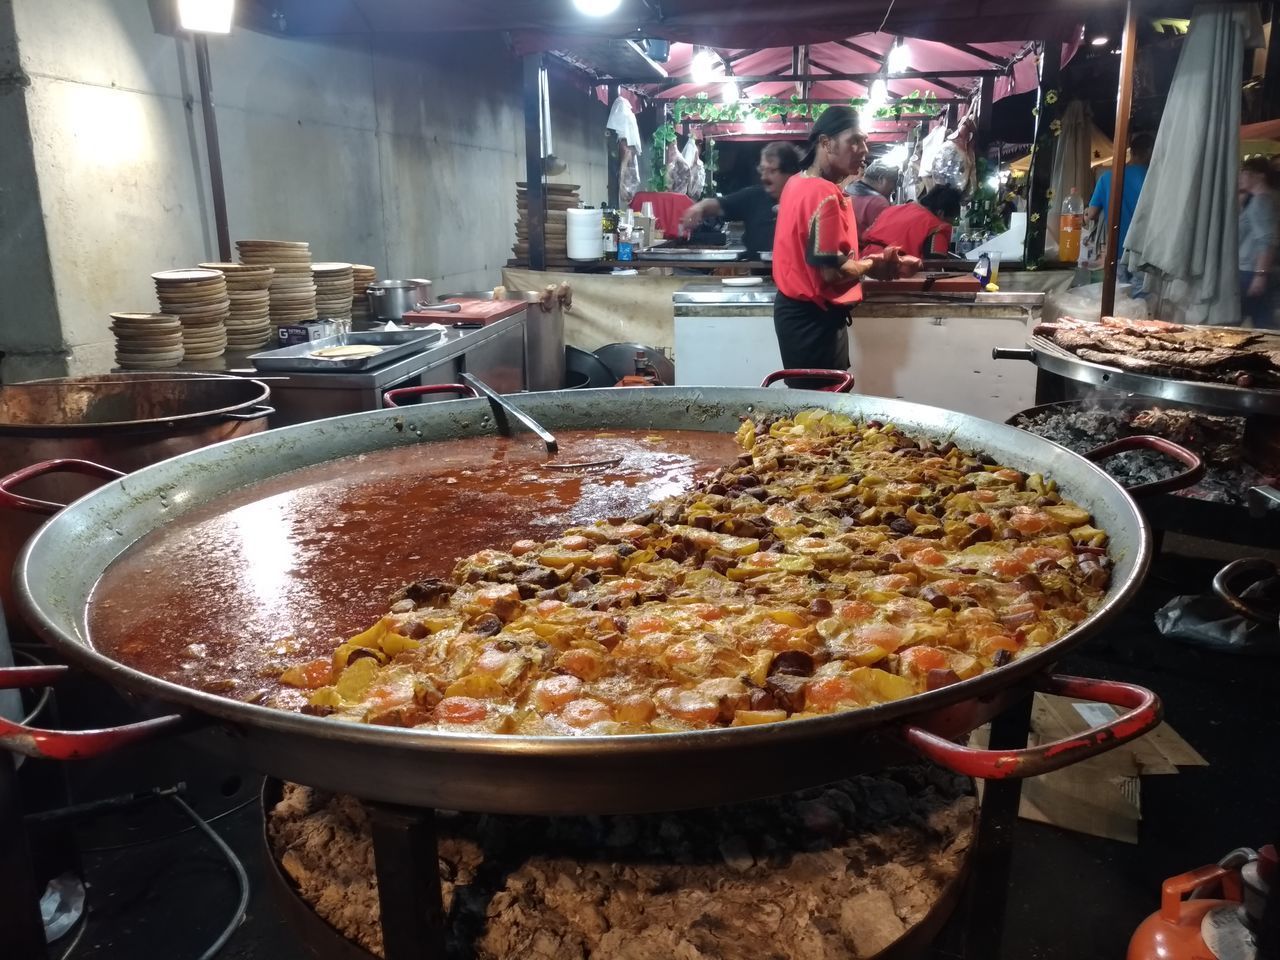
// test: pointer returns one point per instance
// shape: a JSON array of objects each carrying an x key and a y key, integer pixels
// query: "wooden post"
[
  {"x": 1124, "y": 106},
  {"x": 614, "y": 158},
  {"x": 1042, "y": 157},
  {"x": 986, "y": 107},
  {"x": 535, "y": 69}
]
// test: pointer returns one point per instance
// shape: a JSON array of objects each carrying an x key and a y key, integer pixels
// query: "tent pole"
[
  {"x": 1040, "y": 178},
  {"x": 1124, "y": 107}
]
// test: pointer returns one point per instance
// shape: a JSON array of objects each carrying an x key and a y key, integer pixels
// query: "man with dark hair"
[
  {"x": 873, "y": 194},
  {"x": 1135, "y": 174},
  {"x": 756, "y": 206}
]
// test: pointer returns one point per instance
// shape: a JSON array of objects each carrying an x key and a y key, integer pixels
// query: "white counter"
[{"x": 934, "y": 353}]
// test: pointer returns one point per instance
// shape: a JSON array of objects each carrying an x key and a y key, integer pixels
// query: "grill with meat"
[{"x": 1227, "y": 355}]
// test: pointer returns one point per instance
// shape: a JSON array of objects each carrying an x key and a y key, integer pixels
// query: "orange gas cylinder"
[{"x": 1195, "y": 929}]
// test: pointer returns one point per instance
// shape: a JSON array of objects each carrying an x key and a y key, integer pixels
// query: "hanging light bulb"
[
  {"x": 703, "y": 69},
  {"x": 879, "y": 94},
  {"x": 899, "y": 57},
  {"x": 597, "y": 8},
  {"x": 206, "y": 16},
  {"x": 729, "y": 91},
  {"x": 753, "y": 124}
]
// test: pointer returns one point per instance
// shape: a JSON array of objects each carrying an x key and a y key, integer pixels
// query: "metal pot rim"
[
  {"x": 198, "y": 418},
  {"x": 1134, "y": 539}
]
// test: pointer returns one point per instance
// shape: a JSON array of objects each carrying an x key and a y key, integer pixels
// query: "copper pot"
[{"x": 123, "y": 421}]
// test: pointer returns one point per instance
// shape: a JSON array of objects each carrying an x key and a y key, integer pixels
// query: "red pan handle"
[
  {"x": 16, "y": 501},
  {"x": 403, "y": 393},
  {"x": 1227, "y": 580},
  {"x": 1143, "y": 715},
  {"x": 1192, "y": 475},
  {"x": 69, "y": 744},
  {"x": 841, "y": 380}
]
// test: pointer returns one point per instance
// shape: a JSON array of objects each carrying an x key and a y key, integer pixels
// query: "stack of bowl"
[
  {"x": 293, "y": 294},
  {"x": 361, "y": 276},
  {"x": 198, "y": 298},
  {"x": 147, "y": 341},
  {"x": 333, "y": 290},
  {"x": 249, "y": 322}
]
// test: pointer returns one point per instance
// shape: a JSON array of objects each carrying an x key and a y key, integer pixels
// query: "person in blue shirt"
[{"x": 1135, "y": 174}]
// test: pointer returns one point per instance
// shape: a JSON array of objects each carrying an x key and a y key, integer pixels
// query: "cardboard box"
[{"x": 1102, "y": 796}]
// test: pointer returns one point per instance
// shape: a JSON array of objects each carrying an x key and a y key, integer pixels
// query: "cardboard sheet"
[{"x": 1102, "y": 796}]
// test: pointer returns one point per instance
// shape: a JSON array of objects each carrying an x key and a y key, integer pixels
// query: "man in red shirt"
[
  {"x": 816, "y": 263},
  {"x": 919, "y": 228}
]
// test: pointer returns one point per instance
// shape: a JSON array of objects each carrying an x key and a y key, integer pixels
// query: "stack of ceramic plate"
[
  {"x": 199, "y": 299},
  {"x": 333, "y": 290},
  {"x": 293, "y": 294},
  {"x": 362, "y": 275},
  {"x": 249, "y": 322},
  {"x": 147, "y": 341}
]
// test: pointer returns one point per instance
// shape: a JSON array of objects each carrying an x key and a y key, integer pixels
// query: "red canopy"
[{"x": 841, "y": 57}]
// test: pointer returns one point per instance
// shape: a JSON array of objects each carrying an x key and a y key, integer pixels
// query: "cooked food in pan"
[{"x": 834, "y": 566}]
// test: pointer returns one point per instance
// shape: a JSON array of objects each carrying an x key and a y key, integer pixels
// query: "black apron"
[{"x": 811, "y": 337}]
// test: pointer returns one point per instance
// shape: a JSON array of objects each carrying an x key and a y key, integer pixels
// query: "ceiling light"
[
  {"x": 1100, "y": 41},
  {"x": 206, "y": 16},
  {"x": 879, "y": 94},
  {"x": 597, "y": 8},
  {"x": 729, "y": 91},
  {"x": 899, "y": 58},
  {"x": 704, "y": 66},
  {"x": 753, "y": 124}
]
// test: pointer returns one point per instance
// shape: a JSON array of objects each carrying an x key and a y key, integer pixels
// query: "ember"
[
  {"x": 840, "y": 871},
  {"x": 1218, "y": 440}
]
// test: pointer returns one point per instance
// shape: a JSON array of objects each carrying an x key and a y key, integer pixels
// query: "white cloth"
[
  {"x": 622, "y": 121},
  {"x": 1184, "y": 229}
]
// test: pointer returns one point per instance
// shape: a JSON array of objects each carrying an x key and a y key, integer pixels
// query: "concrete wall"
[{"x": 402, "y": 152}]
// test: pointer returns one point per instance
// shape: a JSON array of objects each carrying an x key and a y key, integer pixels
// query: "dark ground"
[{"x": 154, "y": 892}]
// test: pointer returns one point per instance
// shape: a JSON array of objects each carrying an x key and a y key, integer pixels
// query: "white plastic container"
[{"x": 584, "y": 234}]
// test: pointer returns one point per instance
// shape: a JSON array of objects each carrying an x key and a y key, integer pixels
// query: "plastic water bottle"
[{"x": 1070, "y": 226}]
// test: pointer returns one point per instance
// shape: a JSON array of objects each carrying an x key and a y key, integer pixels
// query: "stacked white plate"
[
  {"x": 333, "y": 290},
  {"x": 362, "y": 276},
  {"x": 249, "y": 321},
  {"x": 293, "y": 294},
  {"x": 147, "y": 341},
  {"x": 198, "y": 298}
]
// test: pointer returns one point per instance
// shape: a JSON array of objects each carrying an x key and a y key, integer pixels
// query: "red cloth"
[
  {"x": 668, "y": 208},
  {"x": 909, "y": 226},
  {"x": 815, "y": 228},
  {"x": 867, "y": 210}
]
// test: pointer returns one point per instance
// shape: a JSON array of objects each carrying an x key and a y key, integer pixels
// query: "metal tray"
[
  {"x": 682, "y": 252},
  {"x": 298, "y": 358}
]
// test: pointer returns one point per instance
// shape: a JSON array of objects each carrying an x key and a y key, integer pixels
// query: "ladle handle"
[
  {"x": 43, "y": 744},
  {"x": 1143, "y": 714},
  {"x": 16, "y": 501}
]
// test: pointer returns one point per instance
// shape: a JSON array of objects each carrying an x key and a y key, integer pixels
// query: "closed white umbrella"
[
  {"x": 1184, "y": 229},
  {"x": 1071, "y": 160}
]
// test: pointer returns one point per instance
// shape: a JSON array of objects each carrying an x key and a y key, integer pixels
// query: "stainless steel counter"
[{"x": 495, "y": 353}]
